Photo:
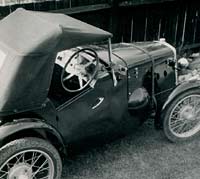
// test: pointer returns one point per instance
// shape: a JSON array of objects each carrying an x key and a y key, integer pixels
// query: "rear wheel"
[
  {"x": 29, "y": 158},
  {"x": 182, "y": 117}
]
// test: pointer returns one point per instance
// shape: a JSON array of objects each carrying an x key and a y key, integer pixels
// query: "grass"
[{"x": 145, "y": 154}]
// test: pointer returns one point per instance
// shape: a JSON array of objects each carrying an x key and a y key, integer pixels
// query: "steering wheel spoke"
[
  {"x": 68, "y": 77},
  {"x": 80, "y": 79},
  {"x": 79, "y": 65},
  {"x": 89, "y": 63}
]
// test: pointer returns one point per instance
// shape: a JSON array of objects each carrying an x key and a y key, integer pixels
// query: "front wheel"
[
  {"x": 29, "y": 158},
  {"x": 182, "y": 117}
]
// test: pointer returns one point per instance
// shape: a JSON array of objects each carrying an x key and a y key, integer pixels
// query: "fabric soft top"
[
  {"x": 29, "y": 32},
  {"x": 29, "y": 42}
]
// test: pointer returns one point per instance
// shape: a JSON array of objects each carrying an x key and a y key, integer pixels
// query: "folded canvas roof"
[
  {"x": 40, "y": 32},
  {"x": 29, "y": 42}
]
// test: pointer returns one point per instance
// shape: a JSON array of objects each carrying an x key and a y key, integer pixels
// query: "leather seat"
[{"x": 138, "y": 99}]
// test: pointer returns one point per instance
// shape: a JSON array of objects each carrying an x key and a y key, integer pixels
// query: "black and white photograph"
[{"x": 99, "y": 89}]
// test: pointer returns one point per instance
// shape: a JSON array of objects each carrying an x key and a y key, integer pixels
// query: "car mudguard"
[
  {"x": 20, "y": 125},
  {"x": 180, "y": 89}
]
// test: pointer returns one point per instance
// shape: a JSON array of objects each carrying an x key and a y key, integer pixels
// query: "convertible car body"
[{"x": 58, "y": 87}]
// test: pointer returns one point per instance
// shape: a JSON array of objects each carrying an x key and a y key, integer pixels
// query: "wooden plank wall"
[
  {"x": 178, "y": 21},
  {"x": 51, "y": 5}
]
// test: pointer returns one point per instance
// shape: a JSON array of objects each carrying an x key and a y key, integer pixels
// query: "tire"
[
  {"x": 32, "y": 158},
  {"x": 181, "y": 119}
]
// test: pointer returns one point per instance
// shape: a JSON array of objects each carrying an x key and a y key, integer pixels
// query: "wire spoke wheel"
[
  {"x": 32, "y": 160},
  {"x": 185, "y": 117},
  {"x": 28, "y": 164},
  {"x": 182, "y": 117}
]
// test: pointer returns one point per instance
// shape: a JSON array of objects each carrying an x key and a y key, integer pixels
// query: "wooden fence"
[{"x": 177, "y": 21}]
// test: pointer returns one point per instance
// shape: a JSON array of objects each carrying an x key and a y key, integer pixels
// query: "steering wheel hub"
[{"x": 78, "y": 65}]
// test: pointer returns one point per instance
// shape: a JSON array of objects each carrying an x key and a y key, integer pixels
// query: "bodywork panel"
[
  {"x": 136, "y": 58},
  {"x": 87, "y": 116},
  {"x": 180, "y": 89},
  {"x": 14, "y": 127},
  {"x": 133, "y": 53}
]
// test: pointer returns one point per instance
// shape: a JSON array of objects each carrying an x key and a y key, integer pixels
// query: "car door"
[{"x": 98, "y": 110}]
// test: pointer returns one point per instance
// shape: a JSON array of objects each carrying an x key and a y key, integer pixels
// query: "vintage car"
[{"x": 61, "y": 84}]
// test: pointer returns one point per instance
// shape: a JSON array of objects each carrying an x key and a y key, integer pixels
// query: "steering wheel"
[{"x": 80, "y": 70}]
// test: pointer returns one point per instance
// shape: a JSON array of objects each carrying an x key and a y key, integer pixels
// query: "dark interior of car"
[{"x": 57, "y": 94}]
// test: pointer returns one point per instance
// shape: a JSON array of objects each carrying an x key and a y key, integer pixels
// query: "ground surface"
[{"x": 145, "y": 154}]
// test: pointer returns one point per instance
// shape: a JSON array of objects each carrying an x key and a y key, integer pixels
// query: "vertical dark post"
[
  {"x": 115, "y": 20},
  {"x": 10, "y": 9},
  {"x": 159, "y": 28},
  {"x": 184, "y": 27},
  {"x": 145, "y": 27},
  {"x": 131, "y": 38},
  {"x": 39, "y": 5},
  {"x": 56, "y": 7},
  {"x": 70, "y": 3},
  {"x": 176, "y": 29},
  {"x": 34, "y": 6},
  {"x": 195, "y": 25}
]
